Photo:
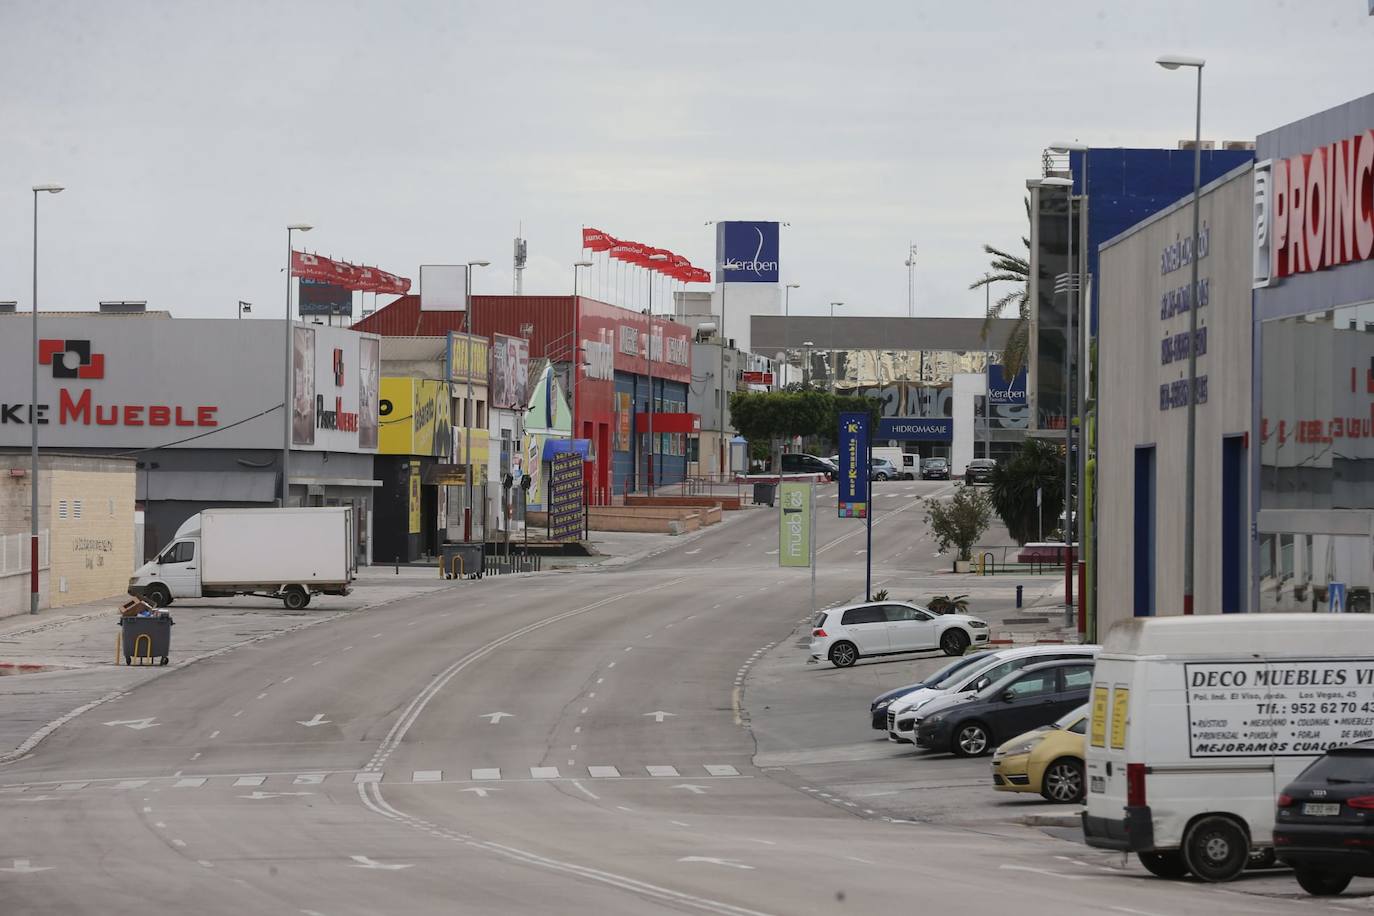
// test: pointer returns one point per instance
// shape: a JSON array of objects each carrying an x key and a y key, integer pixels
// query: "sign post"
[
  {"x": 797, "y": 529},
  {"x": 856, "y": 452}
]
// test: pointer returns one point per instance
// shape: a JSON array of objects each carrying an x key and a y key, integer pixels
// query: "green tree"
[
  {"x": 1039, "y": 465},
  {"x": 772, "y": 416},
  {"x": 1009, "y": 268},
  {"x": 960, "y": 521}
]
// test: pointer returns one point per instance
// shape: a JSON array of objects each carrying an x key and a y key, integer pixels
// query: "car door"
[
  {"x": 909, "y": 629},
  {"x": 178, "y": 569},
  {"x": 867, "y": 628},
  {"x": 1025, "y": 703},
  {"x": 1075, "y": 683}
]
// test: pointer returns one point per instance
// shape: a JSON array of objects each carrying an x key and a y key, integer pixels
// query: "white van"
[{"x": 1199, "y": 722}]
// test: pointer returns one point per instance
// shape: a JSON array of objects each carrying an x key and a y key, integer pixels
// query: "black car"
[
  {"x": 979, "y": 470},
  {"x": 878, "y": 708},
  {"x": 796, "y": 463},
  {"x": 934, "y": 469},
  {"x": 1324, "y": 826},
  {"x": 1029, "y": 698}
]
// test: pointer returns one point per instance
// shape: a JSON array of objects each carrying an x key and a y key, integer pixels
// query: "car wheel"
[
  {"x": 295, "y": 598},
  {"x": 844, "y": 655},
  {"x": 1168, "y": 865},
  {"x": 880, "y": 476},
  {"x": 971, "y": 739},
  {"x": 954, "y": 641},
  {"x": 1063, "y": 781},
  {"x": 1320, "y": 883},
  {"x": 1216, "y": 849},
  {"x": 157, "y": 596}
]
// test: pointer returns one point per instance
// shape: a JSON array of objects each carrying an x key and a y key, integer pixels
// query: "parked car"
[
  {"x": 1048, "y": 760},
  {"x": 1323, "y": 825},
  {"x": 797, "y": 463},
  {"x": 845, "y": 634},
  {"x": 882, "y": 469},
  {"x": 1182, "y": 770},
  {"x": 979, "y": 470},
  {"x": 878, "y": 708},
  {"x": 969, "y": 726},
  {"x": 901, "y": 715},
  {"x": 934, "y": 469}
]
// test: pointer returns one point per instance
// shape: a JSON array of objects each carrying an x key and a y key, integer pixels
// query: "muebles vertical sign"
[{"x": 794, "y": 521}]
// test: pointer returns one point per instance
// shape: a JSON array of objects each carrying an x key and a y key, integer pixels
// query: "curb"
[{"x": 1050, "y": 820}]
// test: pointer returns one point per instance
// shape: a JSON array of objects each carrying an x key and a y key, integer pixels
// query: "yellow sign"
[
  {"x": 458, "y": 358},
  {"x": 416, "y": 417},
  {"x": 481, "y": 452},
  {"x": 1098, "y": 733},
  {"x": 415, "y": 523},
  {"x": 1121, "y": 704}
]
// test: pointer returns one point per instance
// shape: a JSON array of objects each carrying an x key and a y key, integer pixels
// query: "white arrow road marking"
[
  {"x": 22, "y": 867},
  {"x": 257, "y": 795},
  {"x": 496, "y": 717},
  {"x": 136, "y": 724},
  {"x": 659, "y": 715},
  {"x": 317, "y": 719},
  {"x": 365, "y": 862},
  {"x": 691, "y": 552},
  {"x": 695, "y": 790},
  {"x": 713, "y": 861},
  {"x": 309, "y": 779},
  {"x": 480, "y": 791}
]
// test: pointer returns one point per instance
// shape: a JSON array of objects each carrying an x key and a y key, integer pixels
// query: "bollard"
[
  {"x": 398, "y": 564},
  {"x": 1018, "y": 595}
]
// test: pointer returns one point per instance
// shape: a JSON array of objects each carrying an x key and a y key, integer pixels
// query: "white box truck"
[
  {"x": 1198, "y": 723},
  {"x": 288, "y": 553}
]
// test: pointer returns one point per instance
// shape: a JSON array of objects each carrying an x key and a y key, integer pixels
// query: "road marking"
[
  {"x": 262, "y": 696},
  {"x": 250, "y": 780},
  {"x": 578, "y": 730},
  {"x": 203, "y": 863},
  {"x": 543, "y": 772},
  {"x": 662, "y": 771},
  {"x": 317, "y": 719},
  {"x": 584, "y": 710},
  {"x": 136, "y": 724},
  {"x": 1124, "y": 909},
  {"x": 623, "y": 808},
  {"x": 600, "y": 679},
  {"x": 1043, "y": 871},
  {"x": 131, "y": 784},
  {"x": 659, "y": 715},
  {"x": 573, "y": 747},
  {"x": 735, "y": 701},
  {"x": 494, "y": 718},
  {"x": 603, "y": 772},
  {"x": 365, "y": 862},
  {"x": 728, "y": 863},
  {"x": 361, "y": 778},
  {"x": 256, "y": 795},
  {"x": 592, "y": 695},
  {"x": 39, "y": 798},
  {"x": 764, "y": 842},
  {"x": 308, "y": 779},
  {"x": 180, "y": 844},
  {"x": 714, "y": 606},
  {"x": 585, "y": 791},
  {"x": 481, "y": 791},
  {"x": 22, "y": 867},
  {"x": 289, "y": 679},
  {"x": 487, "y": 773},
  {"x": 214, "y": 734},
  {"x": 72, "y": 786},
  {"x": 412, "y": 623},
  {"x": 320, "y": 662},
  {"x": 190, "y": 782},
  {"x": 771, "y": 553},
  {"x": 861, "y": 861},
  {"x": 196, "y": 755},
  {"x": 721, "y": 769},
  {"x": 160, "y": 825},
  {"x": 695, "y": 790},
  {"x": 348, "y": 648},
  {"x": 239, "y": 713},
  {"x": 611, "y": 665},
  {"x": 679, "y": 824},
  {"x": 628, "y": 648},
  {"x": 427, "y": 776},
  {"x": 376, "y": 635}
]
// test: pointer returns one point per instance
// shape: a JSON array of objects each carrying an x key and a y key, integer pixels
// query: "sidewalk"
[{"x": 60, "y": 663}]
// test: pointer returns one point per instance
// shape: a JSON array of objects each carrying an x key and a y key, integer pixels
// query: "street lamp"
[
  {"x": 649, "y": 467},
  {"x": 1067, "y": 185},
  {"x": 33, "y": 412},
  {"x": 1173, "y": 62},
  {"x": 577, "y": 358},
  {"x": 786, "y": 315},
  {"x": 245, "y": 308},
  {"x": 467, "y": 407},
  {"x": 288, "y": 396},
  {"x": 834, "y": 376}
]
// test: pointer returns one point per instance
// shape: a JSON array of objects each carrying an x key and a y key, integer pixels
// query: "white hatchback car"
[
  {"x": 904, "y": 713},
  {"x": 845, "y": 634}
]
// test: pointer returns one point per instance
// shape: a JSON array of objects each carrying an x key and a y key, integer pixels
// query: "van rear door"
[{"x": 1105, "y": 755}]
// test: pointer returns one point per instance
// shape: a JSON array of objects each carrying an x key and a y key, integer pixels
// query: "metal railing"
[{"x": 14, "y": 553}]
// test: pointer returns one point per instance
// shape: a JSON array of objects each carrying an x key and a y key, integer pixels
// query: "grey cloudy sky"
[{"x": 190, "y": 133}]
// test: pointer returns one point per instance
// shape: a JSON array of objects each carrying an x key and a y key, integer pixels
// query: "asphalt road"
[{"x": 572, "y": 742}]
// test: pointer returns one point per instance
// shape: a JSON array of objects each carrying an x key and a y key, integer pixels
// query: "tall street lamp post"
[
  {"x": 834, "y": 376},
  {"x": 289, "y": 386},
  {"x": 468, "y": 406},
  {"x": 1173, "y": 62},
  {"x": 576, "y": 357},
  {"x": 786, "y": 330},
  {"x": 33, "y": 412},
  {"x": 649, "y": 467}
]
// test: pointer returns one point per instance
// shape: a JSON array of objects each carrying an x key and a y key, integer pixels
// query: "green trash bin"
[{"x": 147, "y": 638}]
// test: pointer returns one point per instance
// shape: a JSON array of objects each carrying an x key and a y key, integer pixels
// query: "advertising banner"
[
  {"x": 510, "y": 369},
  {"x": 914, "y": 429},
  {"x": 1286, "y": 708},
  {"x": 319, "y": 298},
  {"x": 565, "y": 497},
  {"x": 746, "y": 252},
  {"x": 458, "y": 346},
  {"x": 1002, "y": 390},
  {"x": 369, "y": 391},
  {"x": 415, "y": 521},
  {"x": 534, "y": 467},
  {"x": 416, "y": 417},
  {"x": 794, "y": 521},
  {"x": 303, "y": 392},
  {"x": 853, "y": 480},
  {"x": 443, "y": 287}
]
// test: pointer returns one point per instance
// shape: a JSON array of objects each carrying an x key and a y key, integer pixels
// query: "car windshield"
[
  {"x": 942, "y": 679},
  {"x": 1347, "y": 766},
  {"x": 1070, "y": 719}
]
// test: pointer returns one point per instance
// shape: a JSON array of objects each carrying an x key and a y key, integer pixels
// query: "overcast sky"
[{"x": 189, "y": 134}]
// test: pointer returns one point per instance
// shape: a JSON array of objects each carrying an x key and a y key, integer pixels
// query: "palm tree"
[{"x": 1016, "y": 270}]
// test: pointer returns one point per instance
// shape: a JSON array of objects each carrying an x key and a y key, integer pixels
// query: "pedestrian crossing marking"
[
  {"x": 427, "y": 776},
  {"x": 543, "y": 772},
  {"x": 603, "y": 772},
  {"x": 721, "y": 769},
  {"x": 487, "y": 773},
  {"x": 361, "y": 778},
  {"x": 190, "y": 782},
  {"x": 250, "y": 781}
]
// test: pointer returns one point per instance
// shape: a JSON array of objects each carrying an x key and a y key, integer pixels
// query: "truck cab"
[{"x": 175, "y": 572}]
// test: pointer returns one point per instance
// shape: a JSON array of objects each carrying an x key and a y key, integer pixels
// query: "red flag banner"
[
  {"x": 630, "y": 253},
  {"x": 340, "y": 273},
  {"x": 660, "y": 266},
  {"x": 311, "y": 266},
  {"x": 596, "y": 240}
]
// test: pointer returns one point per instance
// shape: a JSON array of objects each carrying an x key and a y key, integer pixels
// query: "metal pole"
[
  {"x": 33, "y": 431},
  {"x": 649, "y": 465},
  {"x": 1068, "y": 411},
  {"x": 868, "y": 552},
  {"x": 288, "y": 387},
  {"x": 987, "y": 369},
  {"x": 721, "y": 437},
  {"x": 786, "y": 331},
  {"x": 813, "y": 550},
  {"x": 1087, "y": 602},
  {"x": 1191, "y": 465},
  {"x": 467, "y": 415}
]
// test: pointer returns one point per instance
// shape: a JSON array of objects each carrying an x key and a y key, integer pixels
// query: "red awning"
[{"x": 689, "y": 423}]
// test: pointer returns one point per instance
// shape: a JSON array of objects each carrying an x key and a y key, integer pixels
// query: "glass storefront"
[{"x": 1052, "y": 302}]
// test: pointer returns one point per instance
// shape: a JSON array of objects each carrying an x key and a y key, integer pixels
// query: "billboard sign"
[
  {"x": 565, "y": 497},
  {"x": 510, "y": 370},
  {"x": 746, "y": 252},
  {"x": 317, "y": 298},
  {"x": 443, "y": 287},
  {"x": 853, "y": 465},
  {"x": 416, "y": 417},
  {"x": 1002, "y": 390},
  {"x": 458, "y": 347},
  {"x": 794, "y": 524},
  {"x": 915, "y": 429}
]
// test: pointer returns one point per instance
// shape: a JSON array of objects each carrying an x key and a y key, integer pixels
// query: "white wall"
[{"x": 967, "y": 387}]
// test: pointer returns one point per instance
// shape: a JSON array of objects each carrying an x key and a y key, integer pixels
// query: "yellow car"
[{"x": 1048, "y": 760}]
